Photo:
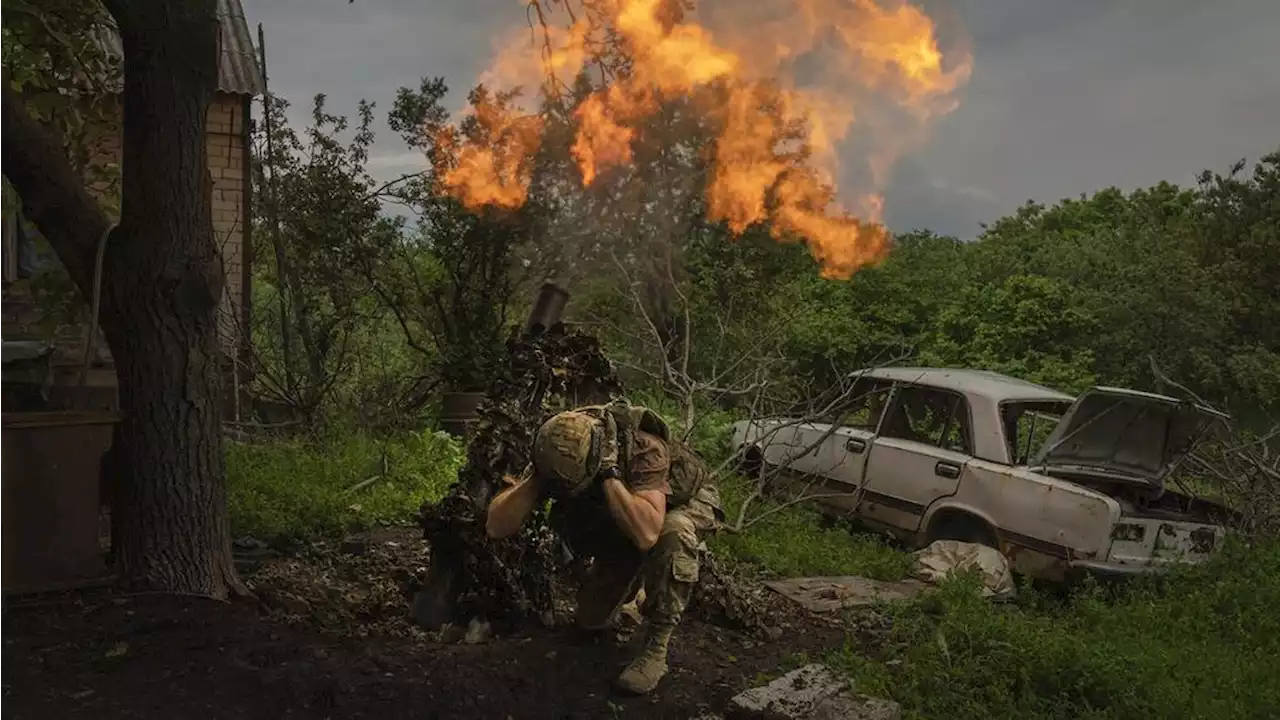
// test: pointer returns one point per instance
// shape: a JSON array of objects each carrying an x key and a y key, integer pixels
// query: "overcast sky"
[{"x": 1066, "y": 97}]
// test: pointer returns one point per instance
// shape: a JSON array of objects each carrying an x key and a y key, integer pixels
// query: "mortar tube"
[{"x": 548, "y": 309}]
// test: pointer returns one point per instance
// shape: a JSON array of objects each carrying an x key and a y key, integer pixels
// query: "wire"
[{"x": 95, "y": 307}]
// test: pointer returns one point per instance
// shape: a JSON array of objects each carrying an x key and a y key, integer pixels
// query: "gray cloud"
[
  {"x": 1066, "y": 97},
  {"x": 919, "y": 200}
]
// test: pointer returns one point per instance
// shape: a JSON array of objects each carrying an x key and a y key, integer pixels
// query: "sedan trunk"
[
  {"x": 1125, "y": 443},
  {"x": 1124, "y": 436}
]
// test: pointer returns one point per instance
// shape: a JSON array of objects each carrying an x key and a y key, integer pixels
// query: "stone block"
[
  {"x": 848, "y": 706},
  {"x": 794, "y": 695},
  {"x": 813, "y": 692}
]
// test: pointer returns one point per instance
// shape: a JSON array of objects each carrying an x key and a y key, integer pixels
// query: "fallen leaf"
[{"x": 118, "y": 650}]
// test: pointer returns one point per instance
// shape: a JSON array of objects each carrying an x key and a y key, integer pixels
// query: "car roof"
[{"x": 991, "y": 385}]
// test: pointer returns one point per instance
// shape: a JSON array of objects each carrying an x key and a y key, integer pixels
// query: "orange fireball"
[{"x": 839, "y": 69}]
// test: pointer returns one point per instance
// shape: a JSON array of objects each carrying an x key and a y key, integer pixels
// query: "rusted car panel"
[
  {"x": 1042, "y": 524},
  {"x": 946, "y": 454},
  {"x": 1136, "y": 541}
]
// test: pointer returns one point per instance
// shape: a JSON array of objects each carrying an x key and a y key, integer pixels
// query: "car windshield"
[{"x": 1028, "y": 424}]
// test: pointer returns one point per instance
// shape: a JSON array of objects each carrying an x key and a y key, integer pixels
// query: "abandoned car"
[{"x": 1061, "y": 485}]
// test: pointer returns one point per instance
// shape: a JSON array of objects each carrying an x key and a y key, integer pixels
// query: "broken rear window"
[{"x": 1027, "y": 425}]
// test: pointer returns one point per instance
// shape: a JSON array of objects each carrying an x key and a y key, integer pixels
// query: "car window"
[
  {"x": 929, "y": 415},
  {"x": 869, "y": 400}
]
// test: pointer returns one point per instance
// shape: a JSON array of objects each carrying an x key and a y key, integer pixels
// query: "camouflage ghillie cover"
[{"x": 470, "y": 575}]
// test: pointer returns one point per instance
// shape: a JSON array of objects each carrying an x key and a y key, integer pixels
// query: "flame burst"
[{"x": 741, "y": 63}]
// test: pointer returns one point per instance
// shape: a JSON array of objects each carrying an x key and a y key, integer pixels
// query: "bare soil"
[{"x": 329, "y": 638}]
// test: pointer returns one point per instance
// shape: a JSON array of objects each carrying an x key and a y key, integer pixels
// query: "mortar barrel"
[{"x": 548, "y": 308}]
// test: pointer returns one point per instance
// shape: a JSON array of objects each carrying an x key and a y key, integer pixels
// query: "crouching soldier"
[{"x": 633, "y": 499}]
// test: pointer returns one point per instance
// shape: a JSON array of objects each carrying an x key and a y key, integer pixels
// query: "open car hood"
[{"x": 1126, "y": 434}]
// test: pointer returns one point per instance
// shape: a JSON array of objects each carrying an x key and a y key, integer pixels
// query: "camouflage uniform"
[{"x": 667, "y": 572}]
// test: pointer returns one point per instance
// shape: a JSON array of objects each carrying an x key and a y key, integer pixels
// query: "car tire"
[{"x": 750, "y": 461}]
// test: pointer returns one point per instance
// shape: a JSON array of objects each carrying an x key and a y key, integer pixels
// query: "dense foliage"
[
  {"x": 1090, "y": 290},
  {"x": 1080, "y": 293}
]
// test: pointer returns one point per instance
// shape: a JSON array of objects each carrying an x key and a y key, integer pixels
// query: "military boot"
[{"x": 647, "y": 670}]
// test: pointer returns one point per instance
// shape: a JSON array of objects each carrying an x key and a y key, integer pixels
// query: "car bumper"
[{"x": 1103, "y": 570}]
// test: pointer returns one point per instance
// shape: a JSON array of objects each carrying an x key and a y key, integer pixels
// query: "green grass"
[
  {"x": 1204, "y": 644},
  {"x": 795, "y": 542},
  {"x": 299, "y": 489}
]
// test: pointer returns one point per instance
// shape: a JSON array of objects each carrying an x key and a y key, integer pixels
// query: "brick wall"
[{"x": 226, "y": 166}]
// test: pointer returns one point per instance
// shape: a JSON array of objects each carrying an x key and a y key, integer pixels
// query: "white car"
[{"x": 1060, "y": 485}]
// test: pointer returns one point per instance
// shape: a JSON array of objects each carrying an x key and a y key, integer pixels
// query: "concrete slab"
[{"x": 826, "y": 594}]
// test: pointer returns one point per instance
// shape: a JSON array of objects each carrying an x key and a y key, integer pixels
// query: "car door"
[
  {"x": 923, "y": 445},
  {"x": 841, "y": 457}
]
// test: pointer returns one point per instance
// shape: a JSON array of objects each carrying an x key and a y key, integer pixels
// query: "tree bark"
[
  {"x": 161, "y": 290},
  {"x": 166, "y": 286}
]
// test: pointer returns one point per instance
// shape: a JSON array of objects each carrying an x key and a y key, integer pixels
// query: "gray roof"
[
  {"x": 997, "y": 387},
  {"x": 238, "y": 71}
]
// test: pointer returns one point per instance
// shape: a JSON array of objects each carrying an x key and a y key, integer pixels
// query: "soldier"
[{"x": 633, "y": 500}]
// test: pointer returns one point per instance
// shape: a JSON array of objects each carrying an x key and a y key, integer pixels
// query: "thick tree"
[{"x": 160, "y": 290}]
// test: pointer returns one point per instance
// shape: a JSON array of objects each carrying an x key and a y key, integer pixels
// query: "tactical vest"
[{"x": 687, "y": 473}]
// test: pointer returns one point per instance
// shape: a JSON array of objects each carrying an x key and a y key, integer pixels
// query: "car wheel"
[
  {"x": 750, "y": 461},
  {"x": 963, "y": 528}
]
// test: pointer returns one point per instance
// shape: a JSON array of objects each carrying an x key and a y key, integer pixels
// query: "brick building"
[{"x": 27, "y": 314}]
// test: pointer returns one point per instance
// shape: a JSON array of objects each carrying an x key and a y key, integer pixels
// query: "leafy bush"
[
  {"x": 301, "y": 489},
  {"x": 711, "y": 437},
  {"x": 1200, "y": 644}
]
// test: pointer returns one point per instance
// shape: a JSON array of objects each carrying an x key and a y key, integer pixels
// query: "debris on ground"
[
  {"x": 946, "y": 557},
  {"x": 932, "y": 565},
  {"x": 367, "y": 594},
  {"x": 357, "y": 594},
  {"x": 250, "y": 552},
  {"x": 811, "y": 692},
  {"x": 735, "y": 602}
]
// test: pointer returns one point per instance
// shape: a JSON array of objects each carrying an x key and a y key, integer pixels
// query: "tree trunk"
[
  {"x": 171, "y": 526},
  {"x": 162, "y": 283}
]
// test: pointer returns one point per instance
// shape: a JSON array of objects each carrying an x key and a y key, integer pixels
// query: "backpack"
[{"x": 688, "y": 472}]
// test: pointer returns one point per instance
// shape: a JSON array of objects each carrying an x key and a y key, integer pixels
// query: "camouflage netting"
[{"x": 514, "y": 581}]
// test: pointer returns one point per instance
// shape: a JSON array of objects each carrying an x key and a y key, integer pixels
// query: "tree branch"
[{"x": 53, "y": 196}]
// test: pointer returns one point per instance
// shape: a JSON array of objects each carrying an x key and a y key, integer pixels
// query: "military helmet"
[{"x": 566, "y": 452}]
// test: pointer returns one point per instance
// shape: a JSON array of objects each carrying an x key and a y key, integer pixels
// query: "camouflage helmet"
[{"x": 566, "y": 452}]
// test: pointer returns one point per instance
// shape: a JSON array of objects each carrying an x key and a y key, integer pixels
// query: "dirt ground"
[{"x": 329, "y": 639}]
